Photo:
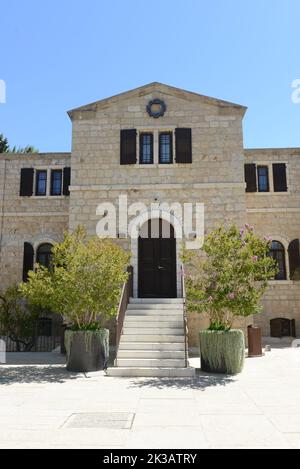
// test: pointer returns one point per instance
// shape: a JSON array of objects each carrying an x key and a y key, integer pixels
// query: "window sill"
[
  {"x": 46, "y": 197},
  {"x": 268, "y": 193},
  {"x": 155, "y": 165}
]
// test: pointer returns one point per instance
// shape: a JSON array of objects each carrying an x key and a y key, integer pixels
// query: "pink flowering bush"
[{"x": 231, "y": 278}]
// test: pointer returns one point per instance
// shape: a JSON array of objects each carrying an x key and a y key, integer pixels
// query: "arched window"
[
  {"x": 278, "y": 253},
  {"x": 44, "y": 254}
]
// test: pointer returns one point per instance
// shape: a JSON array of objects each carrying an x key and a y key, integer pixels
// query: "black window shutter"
[
  {"x": 128, "y": 146},
  {"x": 279, "y": 177},
  {"x": 26, "y": 183},
  {"x": 67, "y": 181},
  {"x": 294, "y": 256},
  {"x": 250, "y": 177},
  {"x": 183, "y": 139},
  {"x": 27, "y": 260}
]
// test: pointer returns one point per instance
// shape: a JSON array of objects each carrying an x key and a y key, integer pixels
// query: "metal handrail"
[
  {"x": 126, "y": 294},
  {"x": 185, "y": 321}
]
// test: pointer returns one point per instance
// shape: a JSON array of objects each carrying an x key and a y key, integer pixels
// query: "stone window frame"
[
  {"x": 155, "y": 131},
  {"x": 269, "y": 165},
  {"x": 48, "y": 187}
]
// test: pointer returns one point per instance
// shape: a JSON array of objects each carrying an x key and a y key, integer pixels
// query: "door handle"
[{"x": 160, "y": 267}]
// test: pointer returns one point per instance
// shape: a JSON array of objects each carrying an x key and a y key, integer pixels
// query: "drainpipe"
[{"x": 2, "y": 209}]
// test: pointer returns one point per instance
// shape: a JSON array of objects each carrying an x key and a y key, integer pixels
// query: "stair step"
[
  {"x": 151, "y": 346},
  {"x": 150, "y": 362},
  {"x": 132, "y": 316},
  {"x": 152, "y": 338},
  {"x": 156, "y": 300},
  {"x": 151, "y": 354},
  {"x": 152, "y": 323},
  {"x": 159, "y": 306},
  {"x": 155, "y": 313},
  {"x": 153, "y": 330},
  {"x": 151, "y": 372}
]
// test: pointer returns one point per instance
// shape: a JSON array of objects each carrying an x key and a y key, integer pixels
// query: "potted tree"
[
  {"x": 228, "y": 281},
  {"x": 83, "y": 284}
]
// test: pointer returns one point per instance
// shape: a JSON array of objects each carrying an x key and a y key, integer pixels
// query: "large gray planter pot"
[
  {"x": 87, "y": 350},
  {"x": 222, "y": 352}
]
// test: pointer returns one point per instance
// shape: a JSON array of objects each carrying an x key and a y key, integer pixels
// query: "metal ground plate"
[{"x": 116, "y": 420}]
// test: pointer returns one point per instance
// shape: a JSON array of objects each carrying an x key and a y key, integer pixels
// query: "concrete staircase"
[{"x": 152, "y": 343}]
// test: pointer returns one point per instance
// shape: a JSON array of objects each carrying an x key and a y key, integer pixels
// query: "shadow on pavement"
[
  {"x": 36, "y": 374},
  {"x": 201, "y": 381}
]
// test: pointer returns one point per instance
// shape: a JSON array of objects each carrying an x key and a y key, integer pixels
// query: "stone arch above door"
[{"x": 137, "y": 224}]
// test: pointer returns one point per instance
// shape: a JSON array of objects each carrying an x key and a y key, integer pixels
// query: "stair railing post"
[
  {"x": 126, "y": 293},
  {"x": 185, "y": 323}
]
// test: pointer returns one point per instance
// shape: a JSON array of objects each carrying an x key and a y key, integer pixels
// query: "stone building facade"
[{"x": 154, "y": 144}]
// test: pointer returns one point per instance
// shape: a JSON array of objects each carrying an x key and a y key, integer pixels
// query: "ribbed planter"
[
  {"x": 87, "y": 350},
  {"x": 222, "y": 352}
]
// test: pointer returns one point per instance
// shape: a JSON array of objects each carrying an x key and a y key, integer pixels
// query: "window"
[
  {"x": 146, "y": 148},
  {"x": 263, "y": 178},
  {"x": 56, "y": 182},
  {"x": 156, "y": 146},
  {"x": 165, "y": 148},
  {"x": 35, "y": 182},
  {"x": 278, "y": 253},
  {"x": 41, "y": 182},
  {"x": 44, "y": 254},
  {"x": 266, "y": 177}
]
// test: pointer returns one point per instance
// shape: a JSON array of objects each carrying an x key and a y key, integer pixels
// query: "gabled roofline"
[{"x": 145, "y": 89}]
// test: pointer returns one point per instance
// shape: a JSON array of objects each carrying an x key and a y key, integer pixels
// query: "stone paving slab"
[{"x": 259, "y": 408}]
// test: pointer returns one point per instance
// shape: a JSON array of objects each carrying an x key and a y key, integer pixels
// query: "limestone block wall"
[
  {"x": 217, "y": 141},
  {"x": 278, "y": 215},
  {"x": 215, "y": 177},
  {"x": 27, "y": 219}
]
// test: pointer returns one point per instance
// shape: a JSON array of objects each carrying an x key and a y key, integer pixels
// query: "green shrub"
[
  {"x": 230, "y": 276},
  {"x": 84, "y": 282},
  {"x": 18, "y": 319}
]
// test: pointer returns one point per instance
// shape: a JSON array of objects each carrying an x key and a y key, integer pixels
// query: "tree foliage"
[
  {"x": 17, "y": 319},
  {"x": 5, "y": 148},
  {"x": 230, "y": 279},
  {"x": 84, "y": 282}
]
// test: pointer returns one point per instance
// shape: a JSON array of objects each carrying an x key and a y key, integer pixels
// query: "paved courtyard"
[{"x": 44, "y": 406}]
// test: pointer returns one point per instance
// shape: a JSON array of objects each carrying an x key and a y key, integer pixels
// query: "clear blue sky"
[{"x": 57, "y": 55}]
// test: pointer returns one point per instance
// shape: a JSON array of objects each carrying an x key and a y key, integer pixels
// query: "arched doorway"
[{"x": 157, "y": 260}]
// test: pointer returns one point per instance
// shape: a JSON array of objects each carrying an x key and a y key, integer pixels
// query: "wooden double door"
[{"x": 157, "y": 260}]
